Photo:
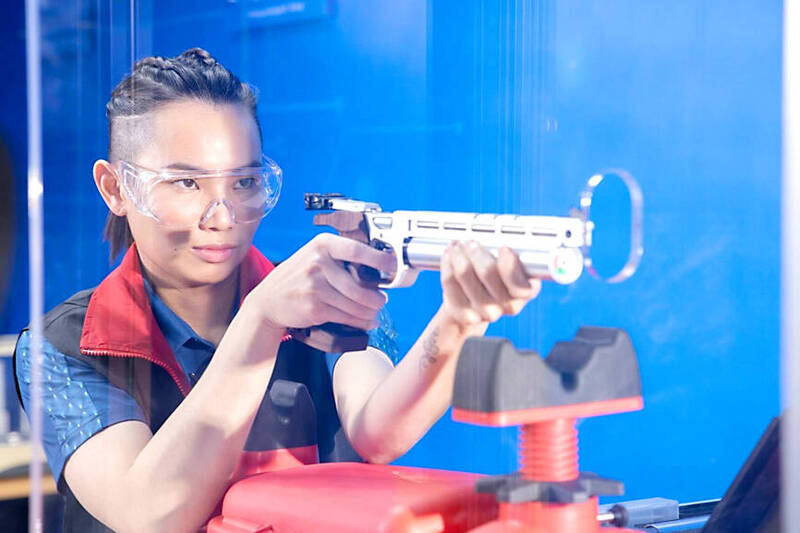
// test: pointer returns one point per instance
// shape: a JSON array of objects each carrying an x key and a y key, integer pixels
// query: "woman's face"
[{"x": 191, "y": 134}]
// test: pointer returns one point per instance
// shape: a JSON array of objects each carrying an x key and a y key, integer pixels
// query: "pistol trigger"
[
  {"x": 364, "y": 275},
  {"x": 368, "y": 276}
]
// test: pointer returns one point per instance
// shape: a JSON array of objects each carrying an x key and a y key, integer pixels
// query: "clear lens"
[{"x": 183, "y": 199}]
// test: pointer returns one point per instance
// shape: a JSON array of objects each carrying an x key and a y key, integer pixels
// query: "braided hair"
[{"x": 154, "y": 82}]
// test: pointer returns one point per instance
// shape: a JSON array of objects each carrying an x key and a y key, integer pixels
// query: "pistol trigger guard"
[
  {"x": 637, "y": 207},
  {"x": 404, "y": 276}
]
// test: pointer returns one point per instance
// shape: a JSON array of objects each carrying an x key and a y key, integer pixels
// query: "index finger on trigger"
[{"x": 356, "y": 252}]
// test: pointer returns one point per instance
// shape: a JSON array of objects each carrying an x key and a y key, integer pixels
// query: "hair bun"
[
  {"x": 199, "y": 55},
  {"x": 193, "y": 56},
  {"x": 155, "y": 62}
]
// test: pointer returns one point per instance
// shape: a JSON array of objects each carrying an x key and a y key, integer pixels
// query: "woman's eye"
[
  {"x": 245, "y": 183},
  {"x": 185, "y": 184}
]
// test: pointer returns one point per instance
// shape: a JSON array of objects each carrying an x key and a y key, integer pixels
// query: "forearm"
[
  {"x": 477, "y": 288},
  {"x": 187, "y": 464},
  {"x": 415, "y": 394},
  {"x": 179, "y": 476}
]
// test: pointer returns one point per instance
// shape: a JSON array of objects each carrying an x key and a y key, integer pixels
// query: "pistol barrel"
[{"x": 562, "y": 265}]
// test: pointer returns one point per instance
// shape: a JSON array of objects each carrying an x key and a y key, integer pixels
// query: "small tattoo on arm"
[{"x": 430, "y": 349}]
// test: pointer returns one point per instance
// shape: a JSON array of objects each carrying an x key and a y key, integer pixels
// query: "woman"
[{"x": 144, "y": 429}]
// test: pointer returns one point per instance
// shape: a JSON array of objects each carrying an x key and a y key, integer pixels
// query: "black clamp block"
[
  {"x": 513, "y": 488},
  {"x": 286, "y": 418},
  {"x": 597, "y": 364}
]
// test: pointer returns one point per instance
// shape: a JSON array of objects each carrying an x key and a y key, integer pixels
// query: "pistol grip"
[
  {"x": 332, "y": 338},
  {"x": 348, "y": 223}
]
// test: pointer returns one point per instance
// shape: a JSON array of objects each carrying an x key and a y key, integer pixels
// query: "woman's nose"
[{"x": 218, "y": 215}]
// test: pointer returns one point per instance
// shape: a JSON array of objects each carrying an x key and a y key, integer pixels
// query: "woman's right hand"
[{"x": 313, "y": 286}]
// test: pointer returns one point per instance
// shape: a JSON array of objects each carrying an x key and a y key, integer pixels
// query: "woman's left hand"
[{"x": 479, "y": 288}]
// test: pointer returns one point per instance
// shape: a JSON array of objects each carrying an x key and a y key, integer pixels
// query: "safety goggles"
[{"x": 186, "y": 198}]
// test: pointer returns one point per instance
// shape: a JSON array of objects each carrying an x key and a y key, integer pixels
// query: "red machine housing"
[{"x": 355, "y": 498}]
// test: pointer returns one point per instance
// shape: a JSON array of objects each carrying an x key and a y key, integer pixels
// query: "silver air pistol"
[{"x": 549, "y": 247}]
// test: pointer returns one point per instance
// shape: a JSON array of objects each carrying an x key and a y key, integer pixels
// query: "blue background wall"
[{"x": 501, "y": 106}]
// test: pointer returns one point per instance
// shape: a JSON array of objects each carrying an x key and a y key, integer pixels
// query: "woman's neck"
[{"x": 206, "y": 308}]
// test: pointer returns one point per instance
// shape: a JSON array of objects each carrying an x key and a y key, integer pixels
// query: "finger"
[
  {"x": 536, "y": 287},
  {"x": 486, "y": 268},
  {"x": 514, "y": 277},
  {"x": 455, "y": 299},
  {"x": 329, "y": 313},
  {"x": 464, "y": 272},
  {"x": 334, "y": 298},
  {"x": 343, "y": 249},
  {"x": 516, "y": 305},
  {"x": 343, "y": 282}
]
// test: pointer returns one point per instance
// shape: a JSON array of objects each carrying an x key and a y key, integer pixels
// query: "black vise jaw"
[
  {"x": 598, "y": 364},
  {"x": 515, "y": 489}
]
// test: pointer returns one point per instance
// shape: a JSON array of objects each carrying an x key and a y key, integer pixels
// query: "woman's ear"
[{"x": 107, "y": 181}]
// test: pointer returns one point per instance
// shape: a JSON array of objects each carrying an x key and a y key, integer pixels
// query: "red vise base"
[{"x": 361, "y": 498}]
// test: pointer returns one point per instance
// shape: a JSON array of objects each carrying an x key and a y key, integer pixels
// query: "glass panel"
[
  {"x": 790, "y": 296},
  {"x": 505, "y": 107}
]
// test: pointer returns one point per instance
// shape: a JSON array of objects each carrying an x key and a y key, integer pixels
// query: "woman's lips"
[{"x": 216, "y": 253}]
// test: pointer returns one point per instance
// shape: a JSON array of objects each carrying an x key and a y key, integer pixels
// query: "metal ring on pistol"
[{"x": 637, "y": 204}]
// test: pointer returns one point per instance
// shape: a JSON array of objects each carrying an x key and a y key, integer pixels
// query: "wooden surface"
[
  {"x": 13, "y": 458},
  {"x": 19, "y": 487}
]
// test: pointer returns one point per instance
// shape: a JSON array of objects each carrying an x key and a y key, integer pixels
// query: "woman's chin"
[{"x": 203, "y": 273}]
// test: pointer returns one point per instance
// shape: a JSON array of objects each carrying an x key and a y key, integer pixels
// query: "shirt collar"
[{"x": 177, "y": 331}]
